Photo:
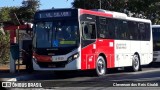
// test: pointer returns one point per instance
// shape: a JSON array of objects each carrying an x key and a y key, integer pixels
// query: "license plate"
[{"x": 58, "y": 58}]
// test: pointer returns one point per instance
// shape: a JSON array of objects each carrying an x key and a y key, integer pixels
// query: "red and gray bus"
[{"x": 79, "y": 39}]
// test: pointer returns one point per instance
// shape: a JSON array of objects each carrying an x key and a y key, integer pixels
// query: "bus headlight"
[{"x": 73, "y": 57}]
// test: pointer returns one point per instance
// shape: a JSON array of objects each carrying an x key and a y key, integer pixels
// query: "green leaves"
[
  {"x": 5, "y": 13},
  {"x": 4, "y": 47},
  {"x": 28, "y": 9},
  {"x": 24, "y": 12}
]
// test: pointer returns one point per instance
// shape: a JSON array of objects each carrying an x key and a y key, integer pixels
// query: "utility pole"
[{"x": 99, "y": 4}]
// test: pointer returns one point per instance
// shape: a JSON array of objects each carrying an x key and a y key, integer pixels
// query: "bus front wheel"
[{"x": 101, "y": 66}]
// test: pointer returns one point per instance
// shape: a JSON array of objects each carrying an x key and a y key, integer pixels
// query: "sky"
[{"x": 45, "y": 4}]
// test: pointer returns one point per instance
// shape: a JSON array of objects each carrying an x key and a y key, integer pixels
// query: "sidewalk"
[
  {"x": 23, "y": 75},
  {"x": 6, "y": 75}
]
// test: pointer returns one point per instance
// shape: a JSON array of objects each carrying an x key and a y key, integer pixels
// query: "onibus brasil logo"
[{"x": 20, "y": 84}]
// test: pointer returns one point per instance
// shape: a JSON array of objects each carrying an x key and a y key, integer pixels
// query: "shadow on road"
[
  {"x": 23, "y": 75},
  {"x": 153, "y": 65}
]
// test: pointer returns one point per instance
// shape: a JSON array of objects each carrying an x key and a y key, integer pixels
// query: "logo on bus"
[
  {"x": 55, "y": 43},
  {"x": 121, "y": 46}
]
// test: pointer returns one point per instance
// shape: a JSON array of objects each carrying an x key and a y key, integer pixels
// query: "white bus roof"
[
  {"x": 119, "y": 15},
  {"x": 155, "y": 26},
  {"x": 115, "y": 14},
  {"x": 138, "y": 19}
]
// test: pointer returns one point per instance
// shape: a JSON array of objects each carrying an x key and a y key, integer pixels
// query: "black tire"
[
  {"x": 101, "y": 66},
  {"x": 136, "y": 66}
]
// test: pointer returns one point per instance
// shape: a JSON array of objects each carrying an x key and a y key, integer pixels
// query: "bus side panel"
[
  {"x": 123, "y": 57},
  {"x": 88, "y": 56},
  {"x": 146, "y": 52},
  {"x": 106, "y": 47}
]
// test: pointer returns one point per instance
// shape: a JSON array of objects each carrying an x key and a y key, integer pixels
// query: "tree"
[
  {"x": 105, "y": 4},
  {"x": 5, "y": 13},
  {"x": 137, "y": 8},
  {"x": 4, "y": 36},
  {"x": 4, "y": 46},
  {"x": 28, "y": 9},
  {"x": 24, "y": 12}
]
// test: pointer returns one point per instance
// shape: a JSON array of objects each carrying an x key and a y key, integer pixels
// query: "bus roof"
[
  {"x": 114, "y": 14},
  {"x": 155, "y": 26},
  {"x": 138, "y": 19},
  {"x": 119, "y": 15}
]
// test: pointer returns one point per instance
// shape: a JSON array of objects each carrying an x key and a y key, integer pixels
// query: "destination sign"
[{"x": 54, "y": 14}]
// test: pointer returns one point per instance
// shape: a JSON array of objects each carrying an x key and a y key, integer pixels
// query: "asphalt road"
[
  {"x": 148, "y": 73},
  {"x": 147, "y": 79}
]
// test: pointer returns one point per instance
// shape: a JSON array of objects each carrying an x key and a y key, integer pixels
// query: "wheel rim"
[
  {"x": 136, "y": 62},
  {"x": 101, "y": 66}
]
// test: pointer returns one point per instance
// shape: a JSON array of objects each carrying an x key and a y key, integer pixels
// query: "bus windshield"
[
  {"x": 56, "y": 34},
  {"x": 156, "y": 39}
]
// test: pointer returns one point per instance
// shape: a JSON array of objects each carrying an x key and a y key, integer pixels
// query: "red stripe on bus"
[
  {"x": 96, "y": 13},
  {"x": 89, "y": 55},
  {"x": 43, "y": 58},
  {"x": 106, "y": 46}
]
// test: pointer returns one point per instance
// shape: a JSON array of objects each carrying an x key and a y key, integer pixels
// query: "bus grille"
[{"x": 52, "y": 64}]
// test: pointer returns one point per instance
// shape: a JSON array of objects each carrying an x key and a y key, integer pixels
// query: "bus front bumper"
[{"x": 74, "y": 65}]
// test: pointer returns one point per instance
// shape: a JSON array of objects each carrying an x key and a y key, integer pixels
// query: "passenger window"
[
  {"x": 86, "y": 33},
  {"x": 89, "y": 30}
]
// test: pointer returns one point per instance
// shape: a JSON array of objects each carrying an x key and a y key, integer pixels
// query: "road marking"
[
  {"x": 8, "y": 79},
  {"x": 12, "y": 79}
]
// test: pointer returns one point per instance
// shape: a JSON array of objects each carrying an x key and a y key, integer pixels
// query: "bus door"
[{"x": 88, "y": 45}]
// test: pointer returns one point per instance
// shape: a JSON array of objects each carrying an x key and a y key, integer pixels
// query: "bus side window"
[
  {"x": 86, "y": 34},
  {"x": 111, "y": 28},
  {"x": 89, "y": 31},
  {"x": 93, "y": 31},
  {"x": 133, "y": 30},
  {"x": 147, "y": 31},
  {"x": 141, "y": 28}
]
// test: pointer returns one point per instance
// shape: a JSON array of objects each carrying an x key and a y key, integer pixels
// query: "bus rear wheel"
[
  {"x": 136, "y": 63},
  {"x": 101, "y": 66}
]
